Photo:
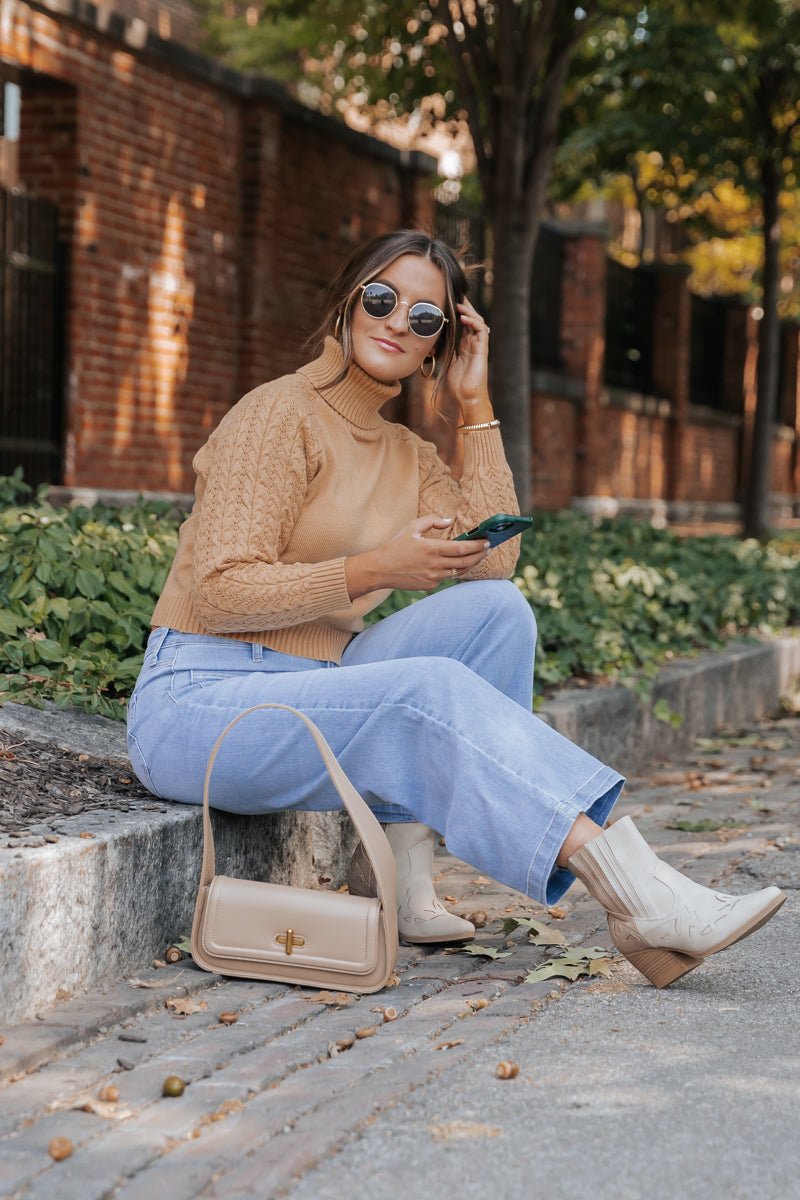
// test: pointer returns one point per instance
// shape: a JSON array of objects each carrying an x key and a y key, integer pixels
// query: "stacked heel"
[{"x": 662, "y": 967}]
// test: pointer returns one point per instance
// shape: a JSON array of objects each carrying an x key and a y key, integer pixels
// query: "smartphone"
[{"x": 497, "y": 529}]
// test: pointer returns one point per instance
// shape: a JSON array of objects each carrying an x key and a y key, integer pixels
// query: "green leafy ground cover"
[{"x": 77, "y": 587}]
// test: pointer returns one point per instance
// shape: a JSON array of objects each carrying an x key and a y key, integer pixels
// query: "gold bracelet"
[{"x": 481, "y": 425}]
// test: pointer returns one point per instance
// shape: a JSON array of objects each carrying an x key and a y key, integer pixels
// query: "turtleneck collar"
[{"x": 358, "y": 397}]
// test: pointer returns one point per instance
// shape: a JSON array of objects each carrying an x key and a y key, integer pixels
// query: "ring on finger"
[{"x": 454, "y": 573}]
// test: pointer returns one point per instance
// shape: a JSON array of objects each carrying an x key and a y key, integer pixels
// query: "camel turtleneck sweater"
[{"x": 297, "y": 477}]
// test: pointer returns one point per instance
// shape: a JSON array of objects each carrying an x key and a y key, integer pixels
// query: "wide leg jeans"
[{"x": 429, "y": 714}]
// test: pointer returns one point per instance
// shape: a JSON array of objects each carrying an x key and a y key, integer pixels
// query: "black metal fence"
[
  {"x": 707, "y": 352},
  {"x": 31, "y": 338},
  {"x": 630, "y": 304}
]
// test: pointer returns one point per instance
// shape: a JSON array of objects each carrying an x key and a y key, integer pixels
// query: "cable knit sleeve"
[
  {"x": 485, "y": 487},
  {"x": 258, "y": 467}
]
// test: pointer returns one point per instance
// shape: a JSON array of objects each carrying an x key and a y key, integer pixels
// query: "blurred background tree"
[
  {"x": 697, "y": 107},
  {"x": 685, "y": 107}
]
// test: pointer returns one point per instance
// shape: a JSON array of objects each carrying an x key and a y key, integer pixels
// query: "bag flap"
[{"x": 267, "y": 922}]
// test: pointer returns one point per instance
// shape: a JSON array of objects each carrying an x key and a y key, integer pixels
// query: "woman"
[{"x": 310, "y": 508}]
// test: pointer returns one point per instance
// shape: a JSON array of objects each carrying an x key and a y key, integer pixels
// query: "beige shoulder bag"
[{"x": 299, "y": 935}]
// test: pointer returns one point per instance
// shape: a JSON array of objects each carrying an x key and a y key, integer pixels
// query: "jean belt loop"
[
  {"x": 258, "y": 651},
  {"x": 155, "y": 642}
]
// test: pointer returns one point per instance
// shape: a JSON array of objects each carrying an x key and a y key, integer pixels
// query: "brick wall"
[
  {"x": 711, "y": 462},
  {"x": 203, "y": 215},
  {"x": 554, "y": 421}
]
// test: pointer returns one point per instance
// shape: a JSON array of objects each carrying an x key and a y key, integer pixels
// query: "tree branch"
[{"x": 471, "y": 98}]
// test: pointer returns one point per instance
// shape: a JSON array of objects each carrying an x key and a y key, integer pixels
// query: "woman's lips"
[{"x": 387, "y": 345}]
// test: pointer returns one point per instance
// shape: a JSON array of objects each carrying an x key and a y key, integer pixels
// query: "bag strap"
[{"x": 367, "y": 826}]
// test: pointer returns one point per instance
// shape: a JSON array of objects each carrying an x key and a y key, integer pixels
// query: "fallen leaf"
[
  {"x": 557, "y": 912},
  {"x": 707, "y": 825},
  {"x": 337, "y": 998},
  {"x": 152, "y": 983},
  {"x": 226, "y": 1109},
  {"x": 538, "y": 933},
  {"x": 184, "y": 1006},
  {"x": 449, "y": 1045},
  {"x": 86, "y": 835},
  {"x": 458, "y": 1130},
  {"x": 104, "y": 1108},
  {"x": 228, "y": 1018},
  {"x": 478, "y": 951},
  {"x": 572, "y": 963},
  {"x": 91, "y": 1104},
  {"x": 480, "y": 881},
  {"x": 451, "y": 899}
]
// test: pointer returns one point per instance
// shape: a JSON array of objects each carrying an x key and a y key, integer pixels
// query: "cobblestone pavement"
[{"x": 280, "y": 1103}]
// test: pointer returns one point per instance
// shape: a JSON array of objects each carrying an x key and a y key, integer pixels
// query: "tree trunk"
[
  {"x": 512, "y": 267},
  {"x": 756, "y": 509}
]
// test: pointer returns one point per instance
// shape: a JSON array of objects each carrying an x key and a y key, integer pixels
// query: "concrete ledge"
[
  {"x": 84, "y": 912},
  {"x": 731, "y": 687}
]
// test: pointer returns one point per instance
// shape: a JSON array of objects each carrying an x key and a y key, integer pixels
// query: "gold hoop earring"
[{"x": 432, "y": 358}]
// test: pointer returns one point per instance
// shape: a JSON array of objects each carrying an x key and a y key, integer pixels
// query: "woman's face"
[{"x": 385, "y": 347}]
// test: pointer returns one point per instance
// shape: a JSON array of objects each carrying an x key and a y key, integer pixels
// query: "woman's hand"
[
  {"x": 413, "y": 561},
  {"x": 468, "y": 377}
]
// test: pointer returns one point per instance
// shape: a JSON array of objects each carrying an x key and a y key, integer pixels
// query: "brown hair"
[{"x": 368, "y": 262}]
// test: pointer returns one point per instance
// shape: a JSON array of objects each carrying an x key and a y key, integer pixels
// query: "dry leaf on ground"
[
  {"x": 184, "y": 1006},
  {"x": 478, "y": 951},
  {"x": 101, "y": 1108},
  {"x": 450, "y": 1131},
  {"x": 572, "y": 963},
  {"x": 152, "y": 983},
  {"x": 539, "y": 934},
  {"x": 226, "y": 1109},
  {"x": 449, "y": 1045},
  {"x": 338, "y": 998}
]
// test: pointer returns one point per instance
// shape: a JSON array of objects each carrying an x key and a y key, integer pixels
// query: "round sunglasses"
[{"x": 378, "y": 300}]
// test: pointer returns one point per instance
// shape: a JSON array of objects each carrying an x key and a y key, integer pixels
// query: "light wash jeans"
[{"x": 429, "y": 714}]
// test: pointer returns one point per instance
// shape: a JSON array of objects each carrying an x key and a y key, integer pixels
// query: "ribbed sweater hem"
[{"x": 312, "y": 640}]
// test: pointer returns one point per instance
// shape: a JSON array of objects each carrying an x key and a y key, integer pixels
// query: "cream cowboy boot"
[
  {"x": 661, "y": 921},
  {"x": 420, "y": 916}
]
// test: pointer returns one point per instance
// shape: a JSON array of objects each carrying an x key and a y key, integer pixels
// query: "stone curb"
[
  {"x": 81, "y": 913},
  {"x": 730, "y": 688}
]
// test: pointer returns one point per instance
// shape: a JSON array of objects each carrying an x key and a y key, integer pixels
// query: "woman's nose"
[{"x": 397, "y": 321}]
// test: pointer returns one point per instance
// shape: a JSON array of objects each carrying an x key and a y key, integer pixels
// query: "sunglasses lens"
[
  {"x": 378, "y": 300},
  {"x": 425, "y": 320}
]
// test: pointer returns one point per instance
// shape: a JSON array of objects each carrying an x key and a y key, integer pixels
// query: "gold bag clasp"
[{"x": 290, "y": 939}]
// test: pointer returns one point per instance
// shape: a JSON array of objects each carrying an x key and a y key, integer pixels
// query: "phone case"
[{"x": 497, "y": 529}]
